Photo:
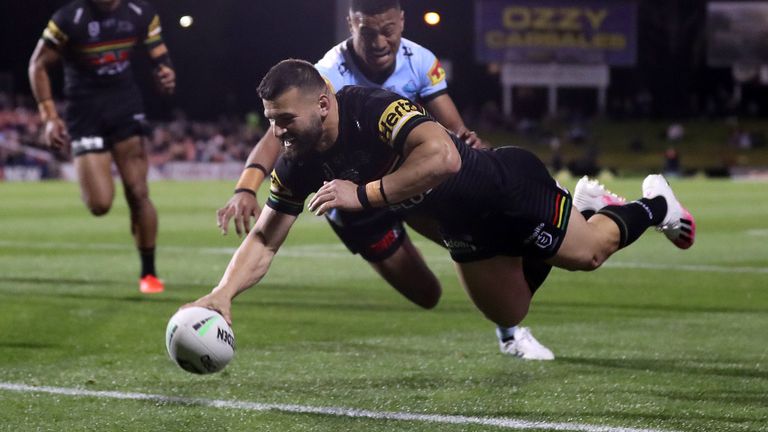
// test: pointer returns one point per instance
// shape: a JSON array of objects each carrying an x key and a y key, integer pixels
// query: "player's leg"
[
  {"x": 380, "y": 238},
  {"x": 587, "y": 244},
  {"x": 90, "y": 149},
  {"x": 499, "y": 288},
  {"x": 513, "y": 340},
  {"x": 406, "y": 271},
  {"x": 131, "y": 160},
  {"x": 94, "y": 175}
]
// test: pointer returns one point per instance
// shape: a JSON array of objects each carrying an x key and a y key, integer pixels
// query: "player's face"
[
  {"x": 106, "y": 5},
  {"x": 376, "y": 38},
  {"x": 296, "y": 121}
]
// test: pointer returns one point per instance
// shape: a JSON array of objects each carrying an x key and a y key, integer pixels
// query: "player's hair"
[
  {"x": 287, "y": 74},
  {"x": 373, "y": 7}
]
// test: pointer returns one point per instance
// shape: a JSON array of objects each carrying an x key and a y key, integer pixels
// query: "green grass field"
[{"x": 658, "y": 339}]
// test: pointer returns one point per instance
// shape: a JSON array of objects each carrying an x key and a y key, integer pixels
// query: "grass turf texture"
[{"x": 637, "y": 344}]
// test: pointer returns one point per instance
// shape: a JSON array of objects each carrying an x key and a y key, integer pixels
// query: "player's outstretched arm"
[
  {"x": 250, "y": 262},
  {"x": 44, "y": 57},
  {"x": 430, "y": 159},
  {"x": 243, "y": 205},
  {"x": 445, "y": 112}
]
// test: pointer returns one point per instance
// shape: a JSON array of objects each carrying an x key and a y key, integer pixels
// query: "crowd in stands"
[{"x": 178, "y": 140}]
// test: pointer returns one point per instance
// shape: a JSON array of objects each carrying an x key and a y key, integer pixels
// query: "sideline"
[{"x": 500, "y": 422}]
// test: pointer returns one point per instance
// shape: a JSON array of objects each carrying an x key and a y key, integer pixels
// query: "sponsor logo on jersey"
[
  {"x": 411, "y": 202},
  {"x": 395, "y": 116},
  {"x": 455, "y": 245},
  {"x": 88, "y": 144},
  {"x": 436, "y": 72},
  {"x": 93, "y": 29}
]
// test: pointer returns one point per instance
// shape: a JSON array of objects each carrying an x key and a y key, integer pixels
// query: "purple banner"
[{"x": 547, "y": 31}]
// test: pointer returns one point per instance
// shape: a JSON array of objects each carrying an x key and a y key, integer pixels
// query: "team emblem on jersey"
[
  {"x": 395, "y": 116},
  {"x": 436, "y": 72},
  {"x": 93, "y": 29}
]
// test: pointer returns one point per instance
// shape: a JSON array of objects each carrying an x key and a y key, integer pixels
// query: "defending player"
[
  {"x": 367, "y": 148},
  {"x": 378, "y": 56},
  {"x": 105, "y": 117}
]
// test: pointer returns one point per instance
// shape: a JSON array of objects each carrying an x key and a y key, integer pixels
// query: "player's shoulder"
[
  {"x": 363, "y": 101},
  {"x": 332, "y": 58},
  {"x": 335, "y": 68},
  {"x": 416, "y": 51},
  {"x": 70, "y": 11},
  {"x": 363, "y": 94},
  {"x": 141, "y": 8}
]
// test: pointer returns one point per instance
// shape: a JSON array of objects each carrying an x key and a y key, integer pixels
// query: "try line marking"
[
  {"x": 500, "y": 422},
  {"x": 338, "y": 251}
]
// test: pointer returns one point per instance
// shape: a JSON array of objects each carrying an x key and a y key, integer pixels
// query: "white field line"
[
  {"x": 338, "y": 251},
  {"x": 507, "y": 423}
]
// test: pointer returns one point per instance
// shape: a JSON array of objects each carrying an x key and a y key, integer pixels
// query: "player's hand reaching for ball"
[
  {"x": 340, "y": 194},
  {"x": 216, "y": 300}
]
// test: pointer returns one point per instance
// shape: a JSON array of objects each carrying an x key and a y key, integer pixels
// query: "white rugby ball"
[{"x": 199, "y": 340}]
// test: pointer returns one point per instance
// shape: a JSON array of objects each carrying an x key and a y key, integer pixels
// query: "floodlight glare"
[
  {"x": 432, "y": 18},
  {"x": 186, "y": 21}
]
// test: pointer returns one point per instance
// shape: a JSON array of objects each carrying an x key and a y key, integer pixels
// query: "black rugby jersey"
[
  {"x": 373, "y": 125},
  {"x": 96, "y": 46}
]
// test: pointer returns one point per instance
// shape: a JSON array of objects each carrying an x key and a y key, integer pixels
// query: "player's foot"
[
  {"x": 149, "y": 284},
  {"x": 678, "y": 224},
  {"x": 591, "y": 195},
  {"x": 525, "y": 346}
]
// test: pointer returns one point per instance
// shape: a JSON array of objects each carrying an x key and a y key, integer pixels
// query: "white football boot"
[
  {"x": 524, "y": 346},
  {"x": 591, "y": 195},
  {"x": 678, "y": 224}
]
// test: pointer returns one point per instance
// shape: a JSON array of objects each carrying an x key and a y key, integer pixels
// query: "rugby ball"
[{"x": 199, "y": 340}]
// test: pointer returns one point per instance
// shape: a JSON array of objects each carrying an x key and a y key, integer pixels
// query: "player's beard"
[{"x": 303, "y": 143}]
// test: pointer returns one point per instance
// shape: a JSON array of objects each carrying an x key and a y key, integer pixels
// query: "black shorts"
[
  {"x": 530, "y": 219},
  {"x": 97, "y": 122},
  {"x": 375, "y": 234}
]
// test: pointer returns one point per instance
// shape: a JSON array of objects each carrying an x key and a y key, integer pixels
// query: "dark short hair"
[
  {"x": 288, "y": 74},
  {"x": 373, "y": 7}
]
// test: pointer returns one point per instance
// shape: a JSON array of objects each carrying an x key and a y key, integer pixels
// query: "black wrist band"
[
  {"x": 381, "y": 189},
  {"x": 245, "y": 190},
  {"x": 259, "y": 167},
  {"x": 363, "y": 197}
]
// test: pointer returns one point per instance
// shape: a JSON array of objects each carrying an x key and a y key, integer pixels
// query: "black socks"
[
  {"x": 635, "y": 217},
  {"x": 147, "y": 261}
]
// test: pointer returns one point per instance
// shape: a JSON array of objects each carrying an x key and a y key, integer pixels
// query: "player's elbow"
[
  {"x": 450, "y": 161},
  {"x": 34, "y": 67}
]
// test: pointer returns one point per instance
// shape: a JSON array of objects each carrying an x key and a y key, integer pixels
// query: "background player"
[
  {"x": 378, "y": 56},
  {"x": 104, "y": 117},
  {"x": 494, "y": 207}
]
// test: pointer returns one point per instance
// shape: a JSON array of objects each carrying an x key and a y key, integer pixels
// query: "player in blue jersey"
[
  {"x": 363, "y": 149},
  {"x": 104, "y": 117},
  {"x": 378, "y": 56}
]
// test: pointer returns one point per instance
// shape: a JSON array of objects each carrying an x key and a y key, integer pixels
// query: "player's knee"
[
  {"x": 136, "y": 194},
  {"x": 429, "y": 297},
  {"x": 591, "y": 263},
  {"x": 99, "y": 209}
]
